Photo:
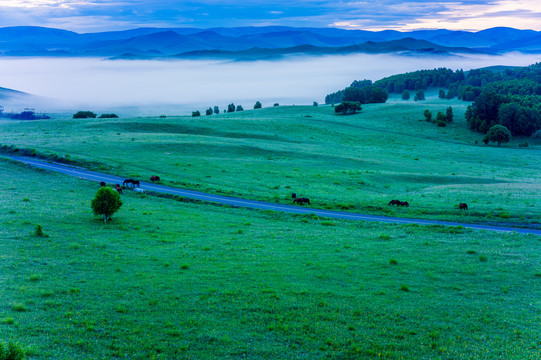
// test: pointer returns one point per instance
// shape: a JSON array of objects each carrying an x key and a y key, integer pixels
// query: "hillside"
[
  {"x": 6, "y": 94},
  {"x": 199, "y": 280}
]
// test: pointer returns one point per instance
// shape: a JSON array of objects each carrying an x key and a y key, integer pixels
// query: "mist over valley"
[{"x": 143, "y": 87}]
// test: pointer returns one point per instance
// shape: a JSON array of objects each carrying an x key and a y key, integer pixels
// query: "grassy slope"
[
  {"x": 356, "y": 162},
  {"x": 167, "y": 280}
]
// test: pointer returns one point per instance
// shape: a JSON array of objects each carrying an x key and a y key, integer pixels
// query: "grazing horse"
[
  {"x": 130, "y": 181},
  {"x": 118, "y": 188},
  {"x": 404, "y": 203},
  {"x": 395, "y": 202},
  {"x": 463, "y": 206},
  {"x": 302, "y": 201},
  {"x": 102, "y": 183},
  {"x": 154, "y": 178}
]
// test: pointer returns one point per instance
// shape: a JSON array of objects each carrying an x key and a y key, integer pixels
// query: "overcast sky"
[{"x": 101, "y": 15}]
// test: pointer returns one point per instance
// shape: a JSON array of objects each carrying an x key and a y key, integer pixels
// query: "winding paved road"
[{"x": 95, "y": 176}]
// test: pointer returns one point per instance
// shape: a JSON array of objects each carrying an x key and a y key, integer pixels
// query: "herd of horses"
[
  {"x": 131, "y": 183},
  {"x": 296, "y": 200}
]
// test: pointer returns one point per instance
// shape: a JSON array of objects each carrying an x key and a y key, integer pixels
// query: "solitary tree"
[
  {"x": 428, "y": 115},
  {"x": 216, "y": 109},
  {"x": 106, "y": 202},
  {"x": 208, "y": 111},
  {"x": 449, "y": 114},
  {"x": 442, "y": 94},
  {"x": 240, "y": 108},
  {"x": 196, "y": 113},
  {"x": 231, "y": 108},
  {"x": 441, "y": 119},
  {"x": 420, "y": 95},
  {"x": 315, "y": 103},
  {"x": 499, "y": 134},
  {"x": 257, "y": 105},
  {"x": 405, "y": 95}
]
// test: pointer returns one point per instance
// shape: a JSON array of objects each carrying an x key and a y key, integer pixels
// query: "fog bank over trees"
[{"x": 151, "y": 87}]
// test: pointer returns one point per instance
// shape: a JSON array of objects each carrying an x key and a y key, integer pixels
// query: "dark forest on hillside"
[{"x": 508, "y": 96}]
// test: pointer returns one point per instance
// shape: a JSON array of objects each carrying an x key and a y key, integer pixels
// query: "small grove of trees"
[
  {"x": 216, "y": 110},
  {"x": 106, "y": 202},
  {"x": 84, "y": 115},
  {"x": 208, "y": 111},
  {"x": 442, "y": 119},
  {"x": 419, "y": 95},
  {"x": 363, "y": 92},
  {"x": 499, "y": 134},
  {"x": 520, "y": 114},
  {"x": 108, "y": 116},
  {"x": 240, "y": 108},
  {"x": 257, "y": 105},
  {"x": 348, "y": 107},
  {"x": 196, "y": 113},
  {"x": 231, "y": 108}
]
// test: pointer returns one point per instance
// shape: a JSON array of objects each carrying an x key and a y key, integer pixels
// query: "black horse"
[
  {"x": 130, "y": 183},
  {"x": 302, "y": 201}
]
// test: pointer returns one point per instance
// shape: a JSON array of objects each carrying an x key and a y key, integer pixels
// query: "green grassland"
[
  {"x": 166, "y": 279},
  {"x": 353, "y": 163}
]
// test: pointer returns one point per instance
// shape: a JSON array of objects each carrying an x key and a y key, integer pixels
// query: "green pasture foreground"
[
  {"x": 352, "y": 163},
  {"x": 166, "y": 279}
]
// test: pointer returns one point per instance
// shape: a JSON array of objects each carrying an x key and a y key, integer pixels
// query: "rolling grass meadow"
[
  {"x": 353, "y": 163},
  {"x": 176, "y": 279},
  {"x": 166, "y": 279}
]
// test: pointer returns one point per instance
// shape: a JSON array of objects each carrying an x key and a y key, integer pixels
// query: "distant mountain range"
[{"x": 249, "y": 43}]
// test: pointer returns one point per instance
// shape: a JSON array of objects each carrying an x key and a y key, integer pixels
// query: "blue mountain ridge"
[{"x": 40, "y": 41}]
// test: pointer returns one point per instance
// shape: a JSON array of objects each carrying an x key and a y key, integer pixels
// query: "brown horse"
[
  {"x": 394, "y": 202},
  {"x": 154, "y": 178},
  {"x": 463, "y": 206},
  {"x": 118, "y": 188},
  {"x": 405, "y": 203}
]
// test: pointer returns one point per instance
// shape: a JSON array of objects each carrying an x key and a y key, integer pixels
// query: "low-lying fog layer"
[{"x": 178, "y": 87}]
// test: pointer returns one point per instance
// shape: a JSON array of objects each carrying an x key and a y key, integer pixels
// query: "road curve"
[{"x": 95, "y": 176}]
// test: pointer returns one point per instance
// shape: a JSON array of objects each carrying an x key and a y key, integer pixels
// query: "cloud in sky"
[{"x": 101, "y": 15}]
